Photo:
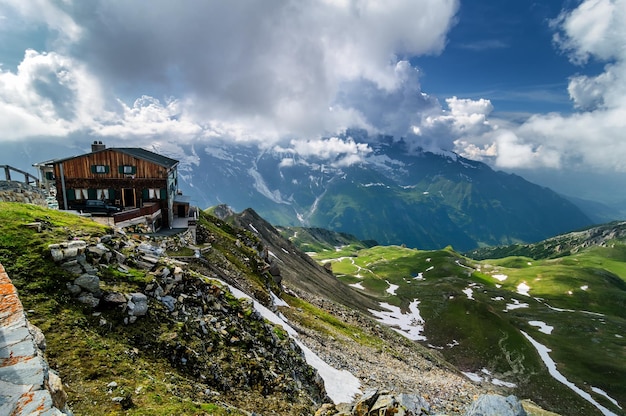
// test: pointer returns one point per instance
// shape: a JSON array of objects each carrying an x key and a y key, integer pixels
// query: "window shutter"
[
  {"x": 107, "y": 169},
  {"x": 71, "y": 195},
  {"x": 112, "y": 194},
  {"x": 92, "y": 194},
  {"x": 120, "y": 169},
  {"x": 93, "y": 168},
  {"x": 145, "y": 194},
  {"x": 163, "y": 194},
  {"x": 49, "y": 176},
  {"x": 134, "y": 169}
]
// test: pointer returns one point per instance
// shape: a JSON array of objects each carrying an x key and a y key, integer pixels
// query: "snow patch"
[
  {"x": 357, "y": 285},
  {"x": 262, "y": 188},
  {"x": 454, "y": 343},
  {"x": 392, "y": 288},
  {"x": 341, "y": 385},
  {"x": 515, "y": 305},
  {"x": 469, "y": 293},
  {"x": 500, "y": 277},
  {"x": 429, "y": 269},
  {"x": 253, "y": 229},
  {"x": 585, "y": 287},
  {"x": 497, "y": 382},
  {"x": 410, "y": 324},
  {"x": 476, "y": 378},
  {"x": 278, "y": 301},
  {"x": 551, "y": 365},
  {"x": 473, "y": 376},
  {"x": 523, "y": 289},
  {"x": 603, "y": 393},
  {"x": 543, "y": 327}
]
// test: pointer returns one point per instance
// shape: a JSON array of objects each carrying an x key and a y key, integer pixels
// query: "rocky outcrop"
[
  {"x": 12, "y": 191},
  {"x": 27, "y": 385},
  {"x": 216, "y": 339},
  {"x": 495, "y": 405},
  {"x": 385, "y": 403}
]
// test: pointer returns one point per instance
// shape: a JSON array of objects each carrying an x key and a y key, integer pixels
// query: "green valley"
[{"x": 490, "y": 317}]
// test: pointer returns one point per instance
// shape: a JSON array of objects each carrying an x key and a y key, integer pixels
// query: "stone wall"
[
  {"x": 28, "y": 386},
  {"x": 12, "y": 191}
]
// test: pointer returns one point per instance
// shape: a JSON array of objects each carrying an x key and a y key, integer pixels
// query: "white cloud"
[
  {"x": 339, "y": 152},
  {"x": 149, "y": 118},
  {"x": 250, "y": 71},
  {"x": 262, "y": 71},
  {"x": 49, "y": 95},
  {"x": 513, "y": 153},
  {"x": 594, "y": 28},
  {"x": 593, "y": 137}
]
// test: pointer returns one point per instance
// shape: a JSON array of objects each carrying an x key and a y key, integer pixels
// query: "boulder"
[
  {"x": 496, "y": 405},
  {"x": 73, "y": 289},
  {"x": 88, "y": 282},
  {"x": 88, "y": 299},
  {"x": 169, "y": 302},
  {"x": 115, "y": 298},
  {"x": 55, "y": 387},
  {"x": 137, "y": 304}
]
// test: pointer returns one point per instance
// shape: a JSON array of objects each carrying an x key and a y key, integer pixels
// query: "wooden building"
[{"x": 129, "y": 177}]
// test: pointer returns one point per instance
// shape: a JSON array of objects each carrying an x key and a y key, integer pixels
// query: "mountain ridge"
[{"x": 392, "y": 194}]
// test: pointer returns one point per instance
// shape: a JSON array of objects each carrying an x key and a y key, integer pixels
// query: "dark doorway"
[
  {"x": 181, "y": 211},
  {"x": 128, "y": 197}
]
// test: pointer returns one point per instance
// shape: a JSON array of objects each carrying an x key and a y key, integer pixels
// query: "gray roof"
[{"x": 137, "y": 152}]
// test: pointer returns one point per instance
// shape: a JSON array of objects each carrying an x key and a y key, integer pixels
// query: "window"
[
  {"x": 99, "y": 169},
  {"x": 154, "y": 193},
  {"x": 102, "y": 194},
  {"x": 127, "y": 169},
  {"x": 81, "y": 193}
]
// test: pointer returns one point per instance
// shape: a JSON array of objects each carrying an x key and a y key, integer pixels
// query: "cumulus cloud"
[
  {"x": 49, "y": 95},
  {"x": 237, "y": 70},
  {"x": 264, "y": 71}
]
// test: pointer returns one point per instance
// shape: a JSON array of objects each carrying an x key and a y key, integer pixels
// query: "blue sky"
[
  {"x": 536, "y": 88},
  {"x": 504, "y": 51}
]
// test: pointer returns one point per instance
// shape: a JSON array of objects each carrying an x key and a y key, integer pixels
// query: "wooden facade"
[{"x": 126, "y": 177}]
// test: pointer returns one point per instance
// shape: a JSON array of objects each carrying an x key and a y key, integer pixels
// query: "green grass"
[
  {"x": 321, "y": 321},
  {"x": 91, "y": 350},
  {"x": 584, "y": 345}
]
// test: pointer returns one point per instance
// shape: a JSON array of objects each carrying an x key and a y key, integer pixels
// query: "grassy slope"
[
  {"x": 585, "y": 346},
  {"x": 87, "y": 354}
]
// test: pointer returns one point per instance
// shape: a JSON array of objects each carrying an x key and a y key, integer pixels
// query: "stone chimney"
[{"x": 96, "y": 146}]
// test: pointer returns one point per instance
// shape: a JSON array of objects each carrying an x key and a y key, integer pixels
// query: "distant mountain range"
[{"x": 393, "y": 195}]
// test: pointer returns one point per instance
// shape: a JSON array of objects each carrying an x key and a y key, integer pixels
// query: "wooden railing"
[
  {"x": 147, "y": 209},
  {"x": 28, "y": 178}
]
